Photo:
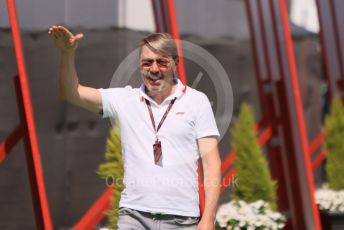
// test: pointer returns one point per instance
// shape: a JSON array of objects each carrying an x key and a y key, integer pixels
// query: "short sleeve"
[
  {"x": 112, "y": 99},
  {"x": 109, "y": 102},
  {"x": 205, "y": 121}
]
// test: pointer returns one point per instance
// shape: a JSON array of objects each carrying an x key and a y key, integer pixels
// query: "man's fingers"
[
  {"x": 53, "y": 31},
  {"x": 59, "y": 33},
  {"x": 78, "y": 37},
  {"x": 65, "y": 31},
  {"x": 62, "y": 32},
  {"x": 63, "y": 38}
]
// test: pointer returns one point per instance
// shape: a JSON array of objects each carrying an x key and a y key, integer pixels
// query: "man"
[{"x": 165, "y": 127}]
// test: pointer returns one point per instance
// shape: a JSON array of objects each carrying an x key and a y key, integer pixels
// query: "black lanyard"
[{"x": 163, "y": 118}]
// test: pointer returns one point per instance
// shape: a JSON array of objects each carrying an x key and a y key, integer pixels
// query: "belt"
[{"x": 162, "y": 216}]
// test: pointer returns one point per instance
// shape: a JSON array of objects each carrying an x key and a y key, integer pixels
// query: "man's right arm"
[{"x": 70, "y": 89}]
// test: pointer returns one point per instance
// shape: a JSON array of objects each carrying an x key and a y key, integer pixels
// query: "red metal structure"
[
  {"x": 282, "y": 129},
  {"x": 96, "y": 213},
  {"x": 288, "y": 149},
  {"x": 332, "y": 43},
  {"x": 165, "y": 19},
  {"x": 264, "y": 17},
  {"x": 26, "y": 130}
]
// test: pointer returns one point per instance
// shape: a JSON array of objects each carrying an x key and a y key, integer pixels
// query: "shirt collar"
[{"x": 180, "y": 90}]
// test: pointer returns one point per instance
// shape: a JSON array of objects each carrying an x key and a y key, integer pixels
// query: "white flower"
[
  {"x": 330, "y": 200},
  {"x": 242, "y": 215}
]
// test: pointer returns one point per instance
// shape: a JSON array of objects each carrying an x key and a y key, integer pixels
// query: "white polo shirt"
[{"x": 172, "y": 188}]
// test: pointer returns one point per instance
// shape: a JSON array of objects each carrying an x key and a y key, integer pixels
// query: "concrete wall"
[
  {"x": 209, "y": 19},
  {"x": 40, "y": 14}
]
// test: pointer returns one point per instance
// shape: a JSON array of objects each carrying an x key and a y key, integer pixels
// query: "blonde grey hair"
[{"x": 161, "y": 43}]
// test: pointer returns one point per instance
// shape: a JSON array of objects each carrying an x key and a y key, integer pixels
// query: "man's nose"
[{"x": 154, "y": 68}]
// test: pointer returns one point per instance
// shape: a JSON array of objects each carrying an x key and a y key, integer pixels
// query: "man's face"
[{"x": 156, "y": 70}]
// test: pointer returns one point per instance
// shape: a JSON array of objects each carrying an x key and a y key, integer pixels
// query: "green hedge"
[
  {"x": 112, "y": 172},
  {"x": 334, "y": 142},
  {"x": 253, "y": 178}
]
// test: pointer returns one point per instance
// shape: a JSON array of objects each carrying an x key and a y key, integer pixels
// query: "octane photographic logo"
[{"x": 128, "y": 73}]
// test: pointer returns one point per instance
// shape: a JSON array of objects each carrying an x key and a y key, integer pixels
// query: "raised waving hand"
[
  {"x": 64, "y": 39},
  {"x": 70, "y": 90}
]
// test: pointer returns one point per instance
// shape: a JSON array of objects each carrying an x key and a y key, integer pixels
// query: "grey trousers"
[{"x": 130, "y": 219}]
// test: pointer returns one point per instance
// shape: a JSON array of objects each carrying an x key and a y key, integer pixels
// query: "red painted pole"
[
  {"x": 338, "y": 41},
  {"x": 39, "y": 198},
  {"x": 10, "y": 142},
  {"x": 331, "y": 45},
  {"x": 155, "y": 16},
  {"x": 33, "y": 161},
  {"x": 265, "y": 73},
  {"x": 324, "y": 52},
  {"x": 175, "y": 35},
  {"x": 96, "y": 213},
  {"x": 299, "y": 111}
]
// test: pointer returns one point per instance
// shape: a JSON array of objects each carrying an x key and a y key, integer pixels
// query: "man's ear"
[
  {"x": 174, "y": 67},
  {"x": 175, "y": 61}
]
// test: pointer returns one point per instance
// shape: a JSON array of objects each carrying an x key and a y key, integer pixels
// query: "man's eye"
[
  {"x": 146, "y": 64},
  {"x": 162, "y": 63}
]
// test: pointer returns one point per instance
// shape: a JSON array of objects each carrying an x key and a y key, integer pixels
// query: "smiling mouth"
[
  {"x": 153, "y": 82},
  {"x": 153, "y": 77}
]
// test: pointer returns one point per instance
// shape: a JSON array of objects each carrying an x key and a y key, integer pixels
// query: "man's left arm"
[{"x": 211, "y": 163}]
